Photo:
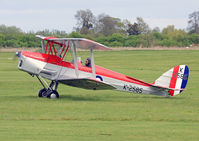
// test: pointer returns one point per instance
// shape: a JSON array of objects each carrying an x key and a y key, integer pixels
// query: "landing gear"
[
  {"x": 42, "y": 93},
  {"x": 53, "y": 94},
  {"x": 51, "y": 91},
  {"x": 48, "y": 93}
]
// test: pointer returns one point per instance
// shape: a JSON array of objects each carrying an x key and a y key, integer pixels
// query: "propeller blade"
[{"x": 18, "y": 54}]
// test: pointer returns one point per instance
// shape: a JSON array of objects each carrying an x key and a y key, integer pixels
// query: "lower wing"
[{"x": 87, "y": 84}]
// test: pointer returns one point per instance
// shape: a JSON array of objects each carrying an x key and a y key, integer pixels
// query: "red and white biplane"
[{"x": 50, "y": 65}]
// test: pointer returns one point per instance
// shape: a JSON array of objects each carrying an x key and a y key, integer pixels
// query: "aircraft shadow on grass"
[
  {"x": 79, "y": 98},
  {"x": 108, "y": 98},
  {"x": 113, "y": 98},
  {"x": 132, "y": 98}
]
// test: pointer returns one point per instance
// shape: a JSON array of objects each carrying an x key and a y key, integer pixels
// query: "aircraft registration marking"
[
  {"x": 133, "y": 89},
  {"x": 180, "y": 74}
]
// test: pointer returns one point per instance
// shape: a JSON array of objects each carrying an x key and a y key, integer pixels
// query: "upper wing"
[{"x": 78, "y": 42}]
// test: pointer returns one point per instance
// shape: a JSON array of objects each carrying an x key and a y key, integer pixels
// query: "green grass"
[{"x": 101, "y": 115}]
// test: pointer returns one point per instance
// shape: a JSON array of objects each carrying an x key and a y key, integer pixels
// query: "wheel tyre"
[
  {"x": 53, "y": 95},
  {"x": 42, "y": 93}
]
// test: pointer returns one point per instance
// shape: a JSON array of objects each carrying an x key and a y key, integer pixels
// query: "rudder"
[{"x": 175, "y": 79}]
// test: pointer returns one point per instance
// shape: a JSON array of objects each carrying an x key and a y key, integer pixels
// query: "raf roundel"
[{"x": 99, "y": 78}]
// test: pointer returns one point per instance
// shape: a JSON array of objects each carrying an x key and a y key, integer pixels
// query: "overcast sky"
[{"x": 34, "y": 15}]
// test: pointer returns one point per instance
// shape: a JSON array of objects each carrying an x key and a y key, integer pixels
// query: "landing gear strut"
[{"x": 50, "y": 91}]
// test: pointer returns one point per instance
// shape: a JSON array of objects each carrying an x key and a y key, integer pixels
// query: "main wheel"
[
  {"x": 53, "y": 94},
  {"x": 42, "y": 93}
]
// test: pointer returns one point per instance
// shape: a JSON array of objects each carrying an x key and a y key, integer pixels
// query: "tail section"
[{"x": 175, "y": 79}]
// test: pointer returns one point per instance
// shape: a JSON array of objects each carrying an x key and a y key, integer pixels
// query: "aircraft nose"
[
  {"x": 18, "y": 54},
  {"x": 20, "y": 59}
]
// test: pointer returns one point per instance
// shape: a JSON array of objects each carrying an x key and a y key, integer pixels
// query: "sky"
[{"x": 34, "y": 15}]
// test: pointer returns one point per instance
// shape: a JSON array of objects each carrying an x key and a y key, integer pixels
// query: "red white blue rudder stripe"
[
  {"x": 179, "y": 79},
  {"x": 185, "y": 78},
  {"x": 175, "y": 79}
]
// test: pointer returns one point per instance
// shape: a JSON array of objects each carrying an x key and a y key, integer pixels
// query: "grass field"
[{"x": 102, "y": 115}]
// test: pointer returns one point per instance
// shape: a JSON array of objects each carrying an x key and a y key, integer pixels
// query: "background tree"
[
  {"x": 85, "y": 21},
  {"x": 174, "y": 37},
  {"x": 107, "y": 25},
  {"x": 54, "y": 32},
  {"x": 109, "y": 31},
  {"x": 142, "y": 25},
  {"x": 9, "y": 29},
  {"x": 131, "y": 29},
  {"x": 193, "y": 22},
  {"x": 138, "y": 27},
  {"x": 168, "y": 29},
  {"x": 156, "y": 29},
  {"x": 145, "y": 33}
]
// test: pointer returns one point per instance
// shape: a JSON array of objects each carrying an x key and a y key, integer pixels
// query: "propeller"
[{"x": 16, "y": 55}]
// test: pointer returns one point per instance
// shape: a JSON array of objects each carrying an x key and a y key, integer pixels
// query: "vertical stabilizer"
[{"x": 175, "y": 79}]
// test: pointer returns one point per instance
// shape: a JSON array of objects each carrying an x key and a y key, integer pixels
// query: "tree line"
[{"x": 110, "y": 31}]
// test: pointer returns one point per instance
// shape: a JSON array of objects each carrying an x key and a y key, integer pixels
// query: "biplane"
[{"x": 50, "y": 64}]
